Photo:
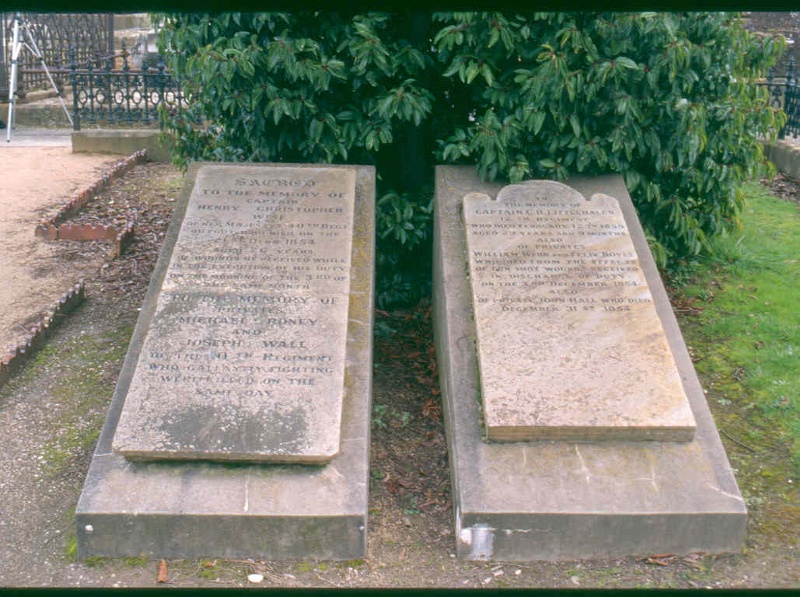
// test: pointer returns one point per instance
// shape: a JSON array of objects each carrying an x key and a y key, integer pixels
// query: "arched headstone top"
[{"x": 532, "y": 192}]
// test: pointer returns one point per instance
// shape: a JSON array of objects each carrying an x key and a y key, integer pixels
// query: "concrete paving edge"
[
  {"x": 120, "y": 141},
  {"x": 785, "y": 155}
]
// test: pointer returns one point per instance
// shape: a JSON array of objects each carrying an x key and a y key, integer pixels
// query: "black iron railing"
[
  {"x": 121, "y": 96},
  {"x": 55, "y": 34},
  {"x": 784, "y": 92}
]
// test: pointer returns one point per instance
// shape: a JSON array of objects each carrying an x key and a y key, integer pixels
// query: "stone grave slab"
[
  {"x": 298, "y": 508},
  {"x": 569, "y": 342},
  {"x": 244, "y": 357},
  {"x": 562, "y": 499}
]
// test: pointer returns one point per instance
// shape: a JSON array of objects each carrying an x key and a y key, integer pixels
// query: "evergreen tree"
[{"x": 670, "y": 101}]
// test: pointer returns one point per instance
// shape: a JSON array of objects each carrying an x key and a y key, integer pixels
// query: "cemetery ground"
[{"x": 738, "y": 314}]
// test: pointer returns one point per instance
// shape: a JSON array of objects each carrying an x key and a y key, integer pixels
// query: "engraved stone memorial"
[
  {"x": 244, "y": 358},
  {"x": 569, "y": 342},
  {"x": 239, "y": 426},
  {"x": 554, "y": 334}
]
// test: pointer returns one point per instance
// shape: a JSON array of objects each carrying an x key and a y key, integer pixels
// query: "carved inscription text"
[
  {"x": 569, "y": 341},
  {"x": 249, "y": 335}
]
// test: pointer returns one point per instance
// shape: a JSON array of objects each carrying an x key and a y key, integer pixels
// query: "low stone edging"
[
  {"x": 121, "y": 142},
  {"x": 17, "y": 355},
  {"x": 786, "y": 157},
  {"x": 53, "y": 229}
]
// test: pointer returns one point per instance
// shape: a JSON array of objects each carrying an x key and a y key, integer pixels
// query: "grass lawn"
[{"x": 740, "y": 314}]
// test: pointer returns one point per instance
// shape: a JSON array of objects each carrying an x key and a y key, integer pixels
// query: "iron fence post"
[
  {"x": 161, "y": 82},
  {"x": 790, "y": 102},
  {"x": 127, "y": 81},
  {"x": 90, "y": 79},
  {"x": 110, "y": 30},
  {"x": 146, "y": 95},
  {"x": 73, "y": 81},
  {"x": 109, "y": 97}
]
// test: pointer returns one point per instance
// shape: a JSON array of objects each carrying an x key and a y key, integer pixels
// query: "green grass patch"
[
  {"x": 209, "y": 573},
  {"x": 96, "y": 561},
  {"x": 747, "y": 337},
  {"x": 139, "y": 561},
  {"x": 384, "y": 415},
  {"x": 58, "y": 452},
  {"x": 71, "y": 548},
  {"x": 88, "y": 368}
]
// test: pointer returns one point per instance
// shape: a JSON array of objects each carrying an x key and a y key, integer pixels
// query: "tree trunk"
[{"x": 408, "y": 164}]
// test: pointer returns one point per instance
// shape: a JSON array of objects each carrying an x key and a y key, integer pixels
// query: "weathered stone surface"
[
  {"x": 190, "y": 509},
  {"x": 569, "y": 342},
  {"x": 120, "y": 141},
  {"x": 562, "y": 499},
  {"x": 244, "y": 358}
]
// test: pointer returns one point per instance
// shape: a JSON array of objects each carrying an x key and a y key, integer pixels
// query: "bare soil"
[
  {"x": 34, "y": 183},
  {"x": 52, "y": 411}
]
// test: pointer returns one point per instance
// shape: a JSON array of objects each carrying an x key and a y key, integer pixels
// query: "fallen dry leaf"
[
  {"x": 162, "y": 572},
  {"x": 662, "y": 559}
]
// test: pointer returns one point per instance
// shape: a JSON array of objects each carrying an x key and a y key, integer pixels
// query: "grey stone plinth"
[
  {"x": 556, "y": 500},
  {"x": 785, "y": 154},
  {"x": 120, "y": 141},
  {"x": 214, "y": 509}
]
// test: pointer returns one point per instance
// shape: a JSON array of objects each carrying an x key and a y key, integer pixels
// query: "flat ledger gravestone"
[
  {"x": 244, "y": 358},
  {"x": 239, "y": 426},
  {"x": 569, "y": 342},
  {"x": 534, "y": 355}
]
